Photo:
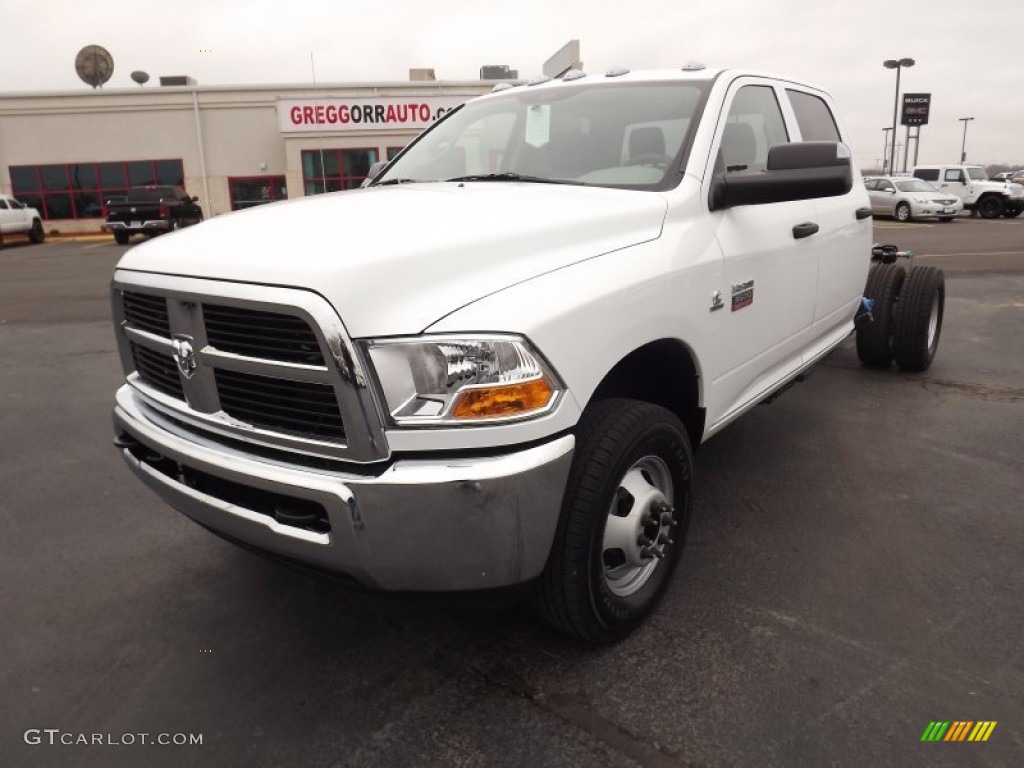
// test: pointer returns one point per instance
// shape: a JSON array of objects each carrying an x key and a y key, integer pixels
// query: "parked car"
[
  {"x": 17, "y": 218},
  {"x": 540, "y": 309},
  {"x": 906, "y": 198},
  {"x": 151, "y": 211}
]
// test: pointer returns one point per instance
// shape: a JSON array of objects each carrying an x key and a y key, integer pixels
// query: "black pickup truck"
[{"x": 151, "y": 211}]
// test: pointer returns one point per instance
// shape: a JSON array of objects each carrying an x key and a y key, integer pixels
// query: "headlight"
[
  {"x": 435, "y": 380},
  {"x": 922, "y": 200}
]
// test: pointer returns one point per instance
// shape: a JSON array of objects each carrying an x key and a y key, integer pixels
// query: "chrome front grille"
[
  {"x": 253, "y": 363},
  {"x": 149, "y": 313},
  {"x": 297, "y": 407},
  {"x": 261, "y": 334},
  {"x": 157, "y": 370}
]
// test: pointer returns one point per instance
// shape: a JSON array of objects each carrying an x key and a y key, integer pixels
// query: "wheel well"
[{"x": 664, "y": 373}]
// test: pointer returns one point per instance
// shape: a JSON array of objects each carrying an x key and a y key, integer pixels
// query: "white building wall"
[{"x": 239, "y": 126}]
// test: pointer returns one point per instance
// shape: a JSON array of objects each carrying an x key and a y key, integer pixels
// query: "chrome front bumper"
[{"x": 425, "y": 524}]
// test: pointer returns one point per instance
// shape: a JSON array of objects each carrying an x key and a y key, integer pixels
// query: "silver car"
[{"x": 905, "y": 198}]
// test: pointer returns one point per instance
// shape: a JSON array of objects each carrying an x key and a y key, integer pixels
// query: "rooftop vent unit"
[
  {"x": 422, "y": 74},
  {"x": 498, "y": 72},
  {"x": 166, "y": 80}
]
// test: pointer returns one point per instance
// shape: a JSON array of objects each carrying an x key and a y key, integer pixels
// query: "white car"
[
  {"x": 906, "y": 198},
  {"x": 16, "y": 218}
]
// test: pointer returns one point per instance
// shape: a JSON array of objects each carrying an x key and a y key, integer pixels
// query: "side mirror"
[
  {"x": 195, "y": 199},
  {"x": 795, "y": 171},
  {"x": 374, "y": 172}
]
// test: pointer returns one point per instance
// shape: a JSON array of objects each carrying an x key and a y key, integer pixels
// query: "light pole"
[
  {"x": 896, "y": 64},
  {"x": 885, "y": 150},
  {"x": 963, "y": 145}
]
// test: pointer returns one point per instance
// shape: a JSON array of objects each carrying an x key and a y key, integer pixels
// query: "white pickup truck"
[
  {"x": 16, "y": 218},
  {"x": 490, "y": 367}
]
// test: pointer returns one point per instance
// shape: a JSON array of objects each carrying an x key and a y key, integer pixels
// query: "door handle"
[
  {"x": 806, "y": 229},
  {"x": 860, "y": 213}
]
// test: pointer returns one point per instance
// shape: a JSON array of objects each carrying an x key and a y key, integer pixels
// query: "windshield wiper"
[
  {"x": 512, "y": 176},
  {"x": 393, "y": 181}
]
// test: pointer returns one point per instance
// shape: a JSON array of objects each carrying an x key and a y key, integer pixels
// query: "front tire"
[
  {"x": 623, "y": 522},
  {"x": 36, "y": 234},
  {"x": 1012, "y": 213},
  {"x": 902, "y": 212},
  {"x": 990, "y": 207}
]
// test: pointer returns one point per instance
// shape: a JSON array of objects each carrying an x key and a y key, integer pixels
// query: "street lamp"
[
  {"x": 896, "y": 64},
  {"x": 963, "y": 146},
  {"x": 885, "y": 149}
]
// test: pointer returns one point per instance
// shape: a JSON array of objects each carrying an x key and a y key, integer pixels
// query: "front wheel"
[
  {"x": 903, "y": 212},
  {"x": 1013, "y": 213},
  {"x": 990, "y": 207},
  {"x": 36, "y": 234},
  {"x": 623, "y": 522}
]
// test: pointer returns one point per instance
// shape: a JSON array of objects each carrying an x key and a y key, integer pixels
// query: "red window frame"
[
  {"x": 277, "y": 182},
  {"x": 41, "y": 194},
  {"x": 320, "y": 182}
]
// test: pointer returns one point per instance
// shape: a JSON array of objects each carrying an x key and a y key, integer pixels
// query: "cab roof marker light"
[
  {"x": 539, "y": 79},
  {"x": 617, "y": 72},
  {"x": 574, "y": 74},
  {"x": 693, "y": 66}
]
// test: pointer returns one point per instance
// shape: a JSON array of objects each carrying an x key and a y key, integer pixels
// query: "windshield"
[
  {"x": 151, "y": 194},
  {"x": 978, "y": 174},
  {"x": 915, "y": 185},
  {"x": 629, "y": 135}
]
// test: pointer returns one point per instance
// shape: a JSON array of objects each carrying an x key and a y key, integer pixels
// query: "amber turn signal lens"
[{"x": 503, "y": 400}]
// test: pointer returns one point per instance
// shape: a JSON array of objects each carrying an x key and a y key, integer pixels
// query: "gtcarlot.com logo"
[
  {"x": 958, "y": 730},
  {"x": 55, "y": 736}
]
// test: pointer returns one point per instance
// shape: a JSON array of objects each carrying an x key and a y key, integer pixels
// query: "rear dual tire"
[
  {"x": 121, "y": 238},
  {"x": 874, "y": 335},
  {"x": 907, "y": 317},
  {"x": 919, "y": 312}
]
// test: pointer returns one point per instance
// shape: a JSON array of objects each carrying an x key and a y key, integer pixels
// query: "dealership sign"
[
  {"x": 356, "y": 114},
  {"x": 915, "y": 108}
]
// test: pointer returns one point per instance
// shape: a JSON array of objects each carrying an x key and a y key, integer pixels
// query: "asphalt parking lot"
[{"x": 853, "y": 573}]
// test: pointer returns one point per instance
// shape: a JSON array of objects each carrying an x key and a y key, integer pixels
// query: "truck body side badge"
[
  {"x": 716, "y": 300},
  {"x": 742, "y": 295}
]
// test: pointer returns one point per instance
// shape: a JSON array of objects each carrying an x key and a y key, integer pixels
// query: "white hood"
[{"x": 393, "y": 260}]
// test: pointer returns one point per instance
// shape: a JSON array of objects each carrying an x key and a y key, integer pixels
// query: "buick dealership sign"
[
  {"x": 915, "y": 108},
  {"x": 358, "y": 114}
]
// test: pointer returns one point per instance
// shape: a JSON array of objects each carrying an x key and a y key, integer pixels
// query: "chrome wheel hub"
[{"x": 637, "y": 533}]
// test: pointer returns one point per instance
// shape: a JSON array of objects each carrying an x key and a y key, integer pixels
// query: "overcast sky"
[{"x": 970, "y": 56}]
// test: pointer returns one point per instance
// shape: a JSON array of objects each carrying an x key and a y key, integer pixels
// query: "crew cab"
[
  {"x": 991, "y": 199},
  {"x": 16, "y": 218},
  {"x": 499, "y": 376},
  {"x": 151, "y": 210}
]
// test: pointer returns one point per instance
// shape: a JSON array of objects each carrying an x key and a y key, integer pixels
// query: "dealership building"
[{"x": 233, "y": 147}]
